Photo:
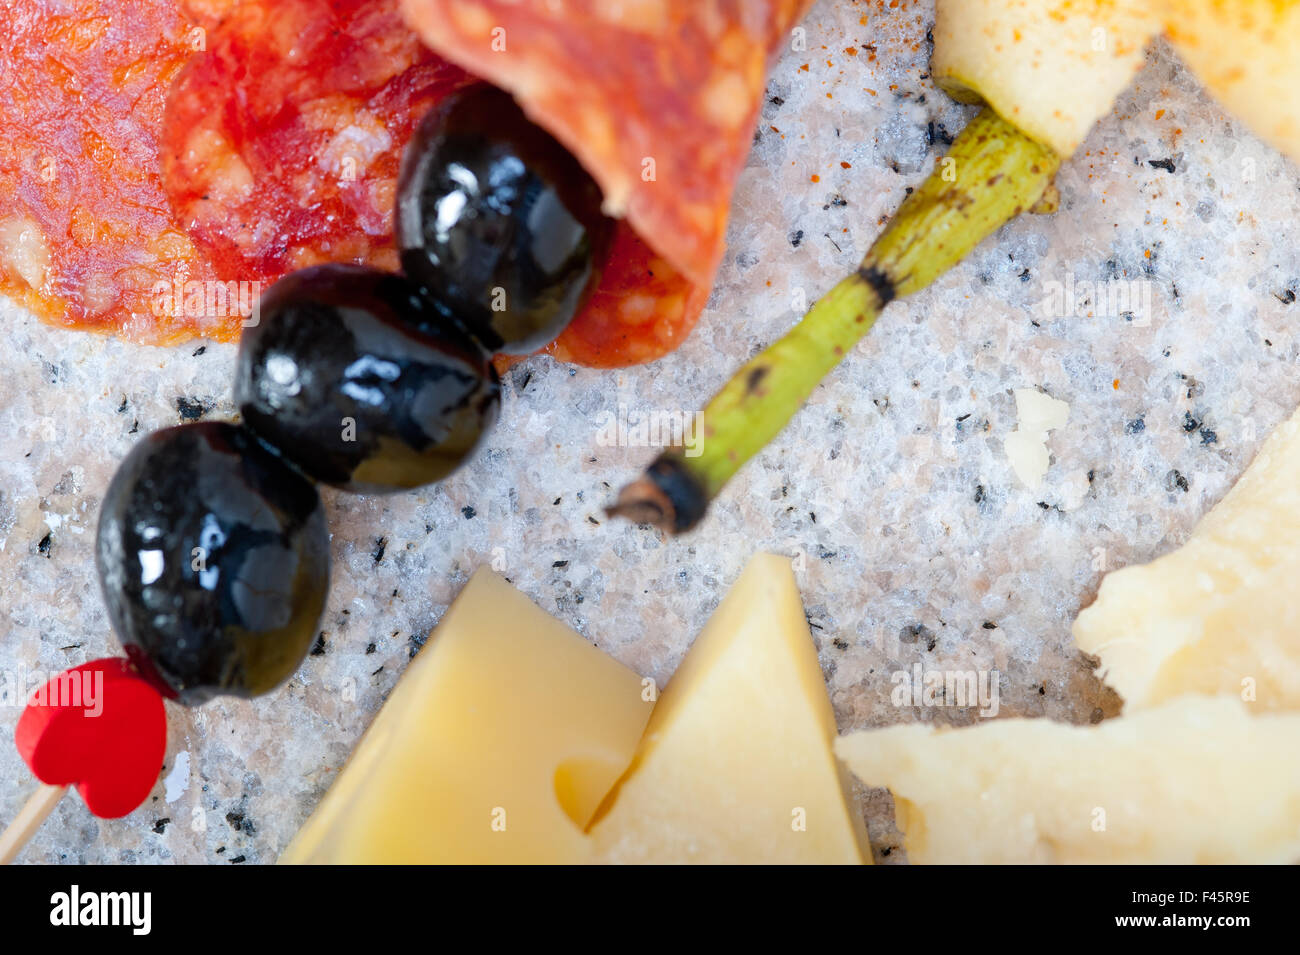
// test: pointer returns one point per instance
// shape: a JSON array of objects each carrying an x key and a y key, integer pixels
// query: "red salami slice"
[
  {"x": 86, "y": 235},
  {"x": 282, "y": 148},
  {"x": 642, "y": 309},
  {"x": 284, "y": 126},
  {"x": 283, "y": 139}
]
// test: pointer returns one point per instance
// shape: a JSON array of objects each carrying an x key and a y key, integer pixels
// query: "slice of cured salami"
[
  {"x": 283, "y": 138},
  {"x": 283, "y": 142},
  {"x": 642, "y": 309},
  {"x": 283, "y": 131},
  {"x": 86, "y": 235},
  {"x": 658, "y": 100}
]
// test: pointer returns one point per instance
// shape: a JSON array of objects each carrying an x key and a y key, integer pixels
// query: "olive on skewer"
[
  {"x": 362, "y": 381},
  {"x": 212, "y": 548},
  {"x": 213, "y": 556},
  {"x": 499, "y": 221}
]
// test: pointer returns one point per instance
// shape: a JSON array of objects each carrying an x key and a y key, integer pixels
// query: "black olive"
[
  {"x": 499, "y": 220},
  {"x": 213, "y": 556},
  {"x": 362, "y": 382}
]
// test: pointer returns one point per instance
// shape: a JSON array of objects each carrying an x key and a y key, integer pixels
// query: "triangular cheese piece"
[
  {"x": 736, "y": 765},
  {"x": 497, "y": 746}
]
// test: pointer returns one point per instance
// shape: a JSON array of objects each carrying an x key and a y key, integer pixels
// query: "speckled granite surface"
[{"x": 916, "y": 542}]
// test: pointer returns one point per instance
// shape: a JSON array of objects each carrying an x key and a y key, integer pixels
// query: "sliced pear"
[
  {"x": 1244, "y": 53},
  {"x": 1052, "y": 68},
  {"x": 1222, "y": 613},
  {"x": 1198, "y": 780},
  {"x": 736, "y": 764}
]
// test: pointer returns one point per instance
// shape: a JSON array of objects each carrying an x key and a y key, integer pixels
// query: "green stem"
[{"x": 992, "y": 174}]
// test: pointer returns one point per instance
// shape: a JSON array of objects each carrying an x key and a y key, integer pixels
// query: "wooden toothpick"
[{"x": 39, "y": 805}]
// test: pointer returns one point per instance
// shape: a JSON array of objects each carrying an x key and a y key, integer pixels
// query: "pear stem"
[{"x": 992, "y": 173}]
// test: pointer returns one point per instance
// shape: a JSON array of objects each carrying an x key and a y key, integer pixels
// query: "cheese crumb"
[{"x": 1026, "y": 447}]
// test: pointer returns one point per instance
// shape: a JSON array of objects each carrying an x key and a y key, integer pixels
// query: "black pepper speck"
[{"x": 192, "y": 409}]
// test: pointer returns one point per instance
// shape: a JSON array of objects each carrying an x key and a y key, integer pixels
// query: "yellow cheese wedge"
[
  {"x": 1244, "y": 53},
  {"x": 1198, "y": 780},
  {"x": 1052, "y": 68},
  {"x": 497, "y": 746},
  {"x": 1222, "y": 613},
  {"x": 736, "y": 765}
]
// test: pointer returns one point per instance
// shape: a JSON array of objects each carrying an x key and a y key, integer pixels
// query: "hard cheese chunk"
[
  {"x": 1222, "y": 613},
  {"x": 497, "y": 746},
  {"x": 1198, "y": 780},
  {"x": 736, "y": 765},
  {"x": 1050, "y": 67}
]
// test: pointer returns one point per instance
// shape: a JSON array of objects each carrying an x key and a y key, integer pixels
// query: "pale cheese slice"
[
  {"x": 497, "y": 745},
  {"x": 1197, "y": 780},
  {"x": 1222, "y": 613},
  {"x": 736, "y": 765}
]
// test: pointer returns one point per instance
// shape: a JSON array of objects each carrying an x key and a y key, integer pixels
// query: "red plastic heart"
[{"x": 99, "y": 727}]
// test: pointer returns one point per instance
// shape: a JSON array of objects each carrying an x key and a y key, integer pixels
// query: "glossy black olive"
[
  {"x": 213, "y": 556},
  {"x": 363, "y": 383},
  {"x": 499, "y": 220}
]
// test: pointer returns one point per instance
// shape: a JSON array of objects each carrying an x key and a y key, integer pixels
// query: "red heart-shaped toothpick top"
[{"x": 99, "y": 727}]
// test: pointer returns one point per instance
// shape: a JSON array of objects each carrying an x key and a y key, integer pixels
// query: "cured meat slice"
[
  {"x": 86, "y": 236},
  {"x": 283, "y": 139},
  {"x": 282, "y": 134},
  {"x": 642, "y": 309},
  {"x": 283, "y": 143}
]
